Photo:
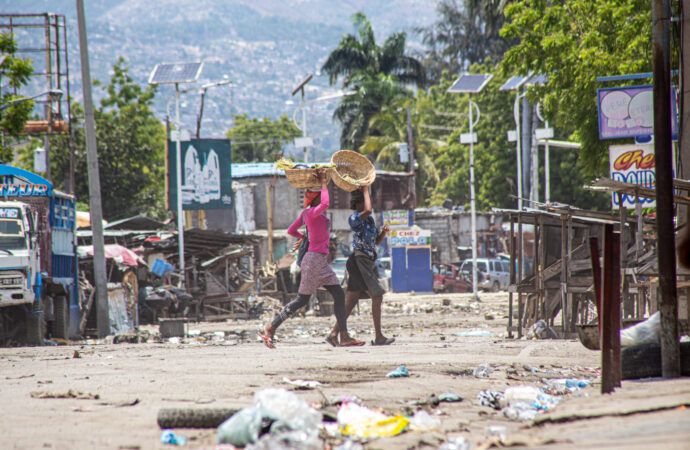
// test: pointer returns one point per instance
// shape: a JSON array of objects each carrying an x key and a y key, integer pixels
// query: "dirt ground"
[{"x": 134, "y": 381}]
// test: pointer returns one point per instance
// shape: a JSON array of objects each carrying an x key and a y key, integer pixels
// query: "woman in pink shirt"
[{"x": 315, "y": 269}]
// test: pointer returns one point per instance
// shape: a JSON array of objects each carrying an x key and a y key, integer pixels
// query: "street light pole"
[
  {"x": 178, "y": 184},
  {"x": 516, "y": 115},
  {"x": 472, "y": 202}
]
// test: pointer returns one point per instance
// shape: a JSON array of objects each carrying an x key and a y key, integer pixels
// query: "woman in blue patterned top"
[{"x": 362, "y": 276}]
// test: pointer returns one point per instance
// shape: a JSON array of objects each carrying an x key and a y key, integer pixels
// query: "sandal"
[
  {"x": 268, "y": 340},
  {"x": 332, "y": 340},
  {"x": 386, "y": 341},
  {"x": 352, "y": 343}
]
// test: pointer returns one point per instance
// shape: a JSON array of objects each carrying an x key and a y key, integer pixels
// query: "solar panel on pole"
[
  {"x": 513, "y": 83},
  {"x": 537, "y": 79},
  {"x": 166, "y": 73},
  {"x": 469, "y": 83}
]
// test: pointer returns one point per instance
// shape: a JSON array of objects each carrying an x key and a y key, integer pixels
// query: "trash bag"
[
  {"x": 482, "y": 371},
  {"x": 289, "y": 440},
  {"x": 389, "y": 426},
  {"x": 423, "y": 421},
  {"x": 490, "y": 398},
  {"x": 399, "y": 372},
  {"x": 242, "y": 428},
  {"x": 647, "y": 332},
  {"x": 289, "y": 410},
  {"x": 350, "y": 413},
  {"x": 541, "y": 330}
]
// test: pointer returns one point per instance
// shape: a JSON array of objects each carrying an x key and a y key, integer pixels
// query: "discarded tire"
[
  {"x": 644, "y": 361},
  {"x": 193, "y": 417}
]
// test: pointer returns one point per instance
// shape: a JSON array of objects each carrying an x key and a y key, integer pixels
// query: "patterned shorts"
[{"x": 316, "y": 273}]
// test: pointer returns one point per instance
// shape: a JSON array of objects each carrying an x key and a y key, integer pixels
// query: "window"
[{"x": 481, "y": 266}]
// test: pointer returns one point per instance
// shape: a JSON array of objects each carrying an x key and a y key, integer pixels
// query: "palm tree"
[
  {"x": 376, "y": 74},
  {"x": 388, "y": 130}
]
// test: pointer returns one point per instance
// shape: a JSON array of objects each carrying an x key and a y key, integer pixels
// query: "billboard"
[
  {"x": 629, "y": 112},
  {"x": 401, "y": 238},
  {"x": 634, "y": 163},
  {"x": 206, "y": 174},
  {"x": 398, "y": 218}
]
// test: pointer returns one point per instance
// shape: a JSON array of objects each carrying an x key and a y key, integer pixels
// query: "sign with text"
[
  {"x": 400, "y": 238},
  {"x": 634, "y": 164},
  {"x": 206, "y": 174},
  {"x": 629, "y": 112},
  {"x": 396, "y": 218}
]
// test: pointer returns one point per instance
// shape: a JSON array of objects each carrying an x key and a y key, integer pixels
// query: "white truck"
[{"x": 38, "y": 260}]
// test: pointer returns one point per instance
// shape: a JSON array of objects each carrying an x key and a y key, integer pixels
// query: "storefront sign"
[
  {"x": 396, "y": 218},
  {"x": 633, "y": 164},
  {"x": 629, "y": 112},
  {"x": 400, "y": 238}
]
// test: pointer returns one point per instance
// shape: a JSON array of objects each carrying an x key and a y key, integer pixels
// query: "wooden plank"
[{"x": 609, "y": 319}]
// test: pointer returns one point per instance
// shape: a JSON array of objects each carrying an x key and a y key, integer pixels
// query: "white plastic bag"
[
  {"x": 422, "y": 421},
  {"x": 290, "y": 410},
  {"x": 647, "y": 332},
  {"x": 350, "y": 413},
  {"x": 517, "y": 395}
]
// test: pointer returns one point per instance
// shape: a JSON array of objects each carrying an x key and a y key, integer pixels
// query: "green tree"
[
  {"x": 573, "y": 42},
  {"x": 466, "y": 32},
  {"x": 131, "y": 146},
  {"x": 377, "y": 75},
  {"x": 255, "y": 140},
  {"x": 14, "y": 75}
]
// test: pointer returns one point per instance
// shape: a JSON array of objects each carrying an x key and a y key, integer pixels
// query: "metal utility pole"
[
  {"x": 516, "y": 115},
  {"x": 410, "y": 148},
  {"x": 663, "y": 154},
  {"x": 102, "y": 317},
  {"x": 534, "y": 162},
  {"x": 178, "y": 186},
  {"x": 526, "y": 137},
  {"x": 475, "y": 295}
]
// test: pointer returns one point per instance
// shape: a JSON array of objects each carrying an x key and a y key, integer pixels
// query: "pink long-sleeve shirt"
[{"x": 318, "y": 225}]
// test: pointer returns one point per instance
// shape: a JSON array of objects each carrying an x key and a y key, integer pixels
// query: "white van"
[{"x": 496, "y": 273}]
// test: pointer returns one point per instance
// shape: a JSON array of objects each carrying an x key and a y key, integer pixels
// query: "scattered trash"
[
  {"x": 489, "y": 316},
  {"x": 399, "y": 372},
  {"x": 490, "y": 398},
  {"x": 541, "y": 330},
  {"x": 169, "y": 437},
  {"x": 524, "y": 402},
  {"x": 560, "y": 386},
  {"x": 69, "y": 394},
  {"x": 242, "y": 428},
  {"x": 482, "y": 371},
  {"x": 295, "y": 439},
  {"x": 350, "y": 413},
  {"x": 456, "y": 443},
  {"x": 174, "y": 340},
  {"x": 194, "y": 333},
  {"x": 422, "y": 421},
  {"x": 349, "y": 445},
  {"x": 76, "y": 354},
  {"x": 450, "y": 397},
  {"x": 288, "y": 409},
  {"x": 497, "y": 430},
  {"x": 647, "y": 332},
  {"x": 386, "y": 427},
  {"x": 474, "y": 333},
  {"x": 344, "y": 399},
  {"x": 303, "y": 384},
  {"x": 275, "y": 411}
]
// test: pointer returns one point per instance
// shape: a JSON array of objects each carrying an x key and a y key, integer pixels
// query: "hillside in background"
[{"x": 266, "y": 47}]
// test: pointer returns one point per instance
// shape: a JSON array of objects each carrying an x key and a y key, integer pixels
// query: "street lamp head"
[{"x": 55, "y": 95}]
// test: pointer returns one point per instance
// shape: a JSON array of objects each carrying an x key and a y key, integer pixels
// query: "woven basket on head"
[
  {"x": 305, "y": 178},
  {"x": 356, "y": 166}
]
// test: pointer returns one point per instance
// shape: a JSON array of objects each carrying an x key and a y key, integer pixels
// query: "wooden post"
[
  {"x": 628, "y": 305},
  {"x": 610, "y": 320},
  {"x": 270, "y": 223}
]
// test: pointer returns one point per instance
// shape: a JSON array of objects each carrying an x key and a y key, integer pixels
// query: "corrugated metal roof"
[{"x": 245, "y": 170}]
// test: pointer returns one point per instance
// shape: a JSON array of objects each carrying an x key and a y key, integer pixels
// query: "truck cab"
[{"x": 39, "y": 288}]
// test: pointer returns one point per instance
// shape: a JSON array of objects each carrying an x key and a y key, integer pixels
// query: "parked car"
[
  {"x": 449, "y": 278},
  {"x": 495, "y": 273}
]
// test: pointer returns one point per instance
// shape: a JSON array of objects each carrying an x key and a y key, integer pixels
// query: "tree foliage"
[
  {"x": 131, "y": 145},
  {"x": 573, "y": 42},
  {"x": 256, "y": 140},
  {"x": 14, "y": 75},
  {"x": 466, "y": 32},
  {"x": 376, "y": 73}
]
